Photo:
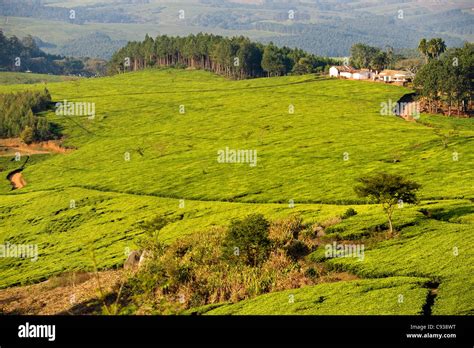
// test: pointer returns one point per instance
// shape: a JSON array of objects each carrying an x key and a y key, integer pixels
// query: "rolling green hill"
[{"x": 300, "y": 157}]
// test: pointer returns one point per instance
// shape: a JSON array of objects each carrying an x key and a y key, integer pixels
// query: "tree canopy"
[
  {"x": 364, "y": 56},
  {"x": 388, "y": 190},
  {"x": 448, "y": 79},
  {"x": 432, "y": 48},
  {"x": 248, "y": 240},
  {"x": 235, "y": 57},
  {"x": 18, "y": 119}
]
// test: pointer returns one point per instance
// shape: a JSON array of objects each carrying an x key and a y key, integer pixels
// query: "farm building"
[
  {"x": 395, "y": 76},
  {"x": 387, "y": 76},
  {"x": 341, "y": 71},
  {"x": 363, "y": 74}
]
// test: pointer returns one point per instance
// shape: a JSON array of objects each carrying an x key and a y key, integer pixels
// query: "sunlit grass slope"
[
  {"x": 300, "y": 155},
  {"x": 173, "y": 157},
  {"x": 391, "y": 296},
  {"x": 104, "y": 225}
]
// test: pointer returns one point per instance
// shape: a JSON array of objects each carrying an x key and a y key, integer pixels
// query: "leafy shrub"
[
  {"x": 348, "y": 213},
  {"x": 311, "y": 272},
  {"x": 17, "y": 117},
  {"x": 150, "y": 241},
  {"x": 297, "y": 249},
  {"x": 195, "y": 270},
  {"x": 27, "y": 135},
  {"x": 248, "y": 240}
]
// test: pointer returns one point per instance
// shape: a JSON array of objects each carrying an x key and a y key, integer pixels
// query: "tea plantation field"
[{"x": 152, "y": 148}]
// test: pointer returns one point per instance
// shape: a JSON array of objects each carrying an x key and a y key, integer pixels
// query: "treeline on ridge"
[
  {"x": 235, "y": 57},
  {"x": 18, "y": 119}
]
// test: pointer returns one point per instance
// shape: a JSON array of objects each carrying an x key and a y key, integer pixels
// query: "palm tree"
[
  {"x": 436, "y": 47},
  {"x": 423, "y": 48}
]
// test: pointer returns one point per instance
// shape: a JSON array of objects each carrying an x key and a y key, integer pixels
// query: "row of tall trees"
[
  {"x": 18, "y": 119},
  {"x": 448, "y": 78},
  {"x": 235, "y": 57}
]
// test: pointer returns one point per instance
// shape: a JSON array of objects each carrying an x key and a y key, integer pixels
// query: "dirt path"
[
  {"x": 17, "y": 180},
  {"x": 58, "y": 295},
  {"x": 13, "y": 146}
]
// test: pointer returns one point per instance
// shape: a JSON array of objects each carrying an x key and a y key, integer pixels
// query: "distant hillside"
[
  {"x": 336, "y": 38},
  {"x": 97, "y": 45},
  {"x": 82, "y": 14},
  {"x": 323, "y": 27},
  {"x": 24, "y": 56}
]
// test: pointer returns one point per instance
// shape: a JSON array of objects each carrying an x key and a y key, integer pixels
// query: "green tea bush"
[{"x": 348, "y": 213}]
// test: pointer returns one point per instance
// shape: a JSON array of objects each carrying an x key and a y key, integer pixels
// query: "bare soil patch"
[
  {"x": 17, "y": 180},
  {"x": 9, "y": 147},
  {"x": 58, "y": 294}
]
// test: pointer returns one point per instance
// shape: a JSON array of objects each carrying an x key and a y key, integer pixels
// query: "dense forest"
[
  {"x": 24, "y": 55},
  {"x": 18, "y": 119},
  {"x": 236, "y": 57}
]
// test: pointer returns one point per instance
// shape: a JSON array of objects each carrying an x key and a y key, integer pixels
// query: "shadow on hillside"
[
  {"x": 91, "y": 307},
  {"x": 448, "y": 215}
]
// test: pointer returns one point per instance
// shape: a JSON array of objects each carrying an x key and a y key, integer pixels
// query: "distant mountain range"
[{"x": 323, "y": 27}]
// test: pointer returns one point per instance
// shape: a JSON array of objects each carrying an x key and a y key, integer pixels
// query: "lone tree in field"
[{"x": 388, "y": 190}]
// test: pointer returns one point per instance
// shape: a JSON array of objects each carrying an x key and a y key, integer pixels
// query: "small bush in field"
[
  {"x": 27, "y": 135},
  {"x": 311, "y": 273},
  {"x": 297, "y": 249},
  {"x": 248, "y": 240},
  {"x": 348, "y": 213}
]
